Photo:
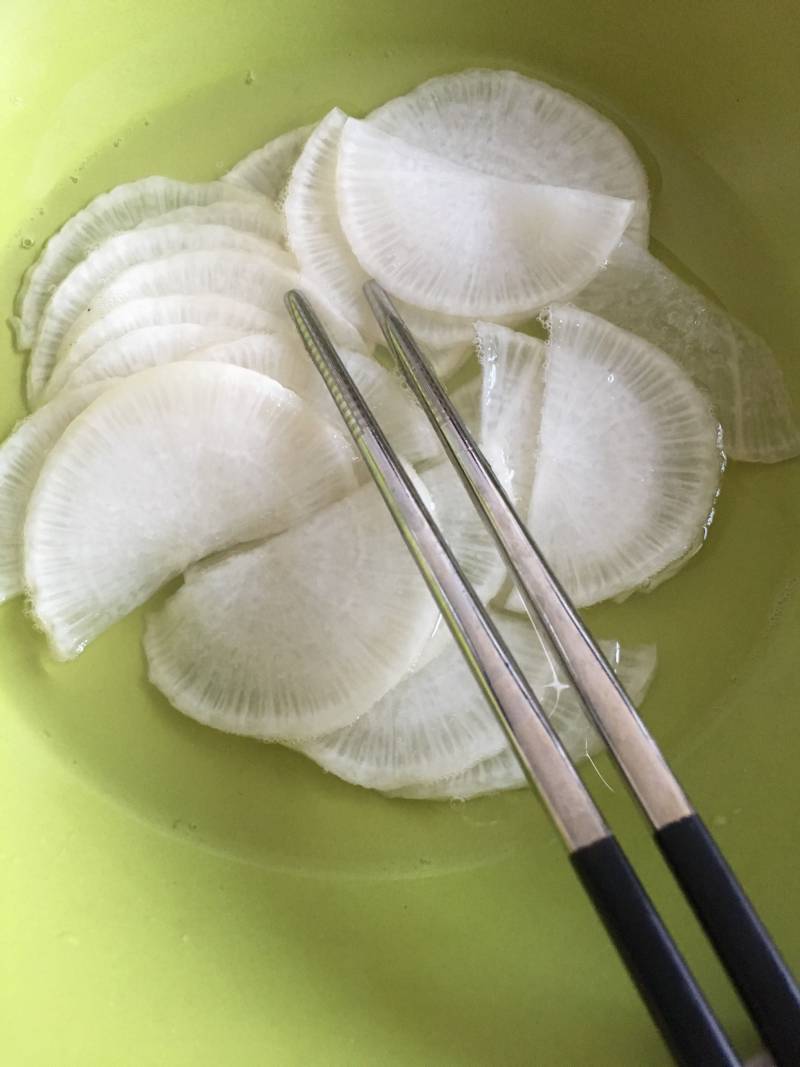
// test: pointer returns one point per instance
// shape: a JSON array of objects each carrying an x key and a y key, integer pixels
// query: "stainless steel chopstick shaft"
[
  {"x": 765, "y": 984},
  {"x": 664, "y": 981}
]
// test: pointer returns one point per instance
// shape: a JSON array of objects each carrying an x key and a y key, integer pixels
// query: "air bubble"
[{"x": 26, "y": 242}]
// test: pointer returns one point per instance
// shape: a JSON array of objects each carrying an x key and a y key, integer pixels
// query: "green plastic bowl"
[{"x": 173, "y": 896}]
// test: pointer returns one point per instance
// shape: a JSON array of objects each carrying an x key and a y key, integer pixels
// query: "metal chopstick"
[
  {"x": 764, "y": 982},
  {"x": 667, "y": 987}
]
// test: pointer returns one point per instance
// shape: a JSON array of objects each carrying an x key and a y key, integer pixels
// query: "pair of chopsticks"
[{"x": 665, "y": 983}]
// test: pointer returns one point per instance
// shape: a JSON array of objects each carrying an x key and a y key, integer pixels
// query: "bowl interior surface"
[{"x": 179, "y": 896}]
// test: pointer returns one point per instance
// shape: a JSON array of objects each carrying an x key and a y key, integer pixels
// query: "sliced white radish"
[
  {"x": 436, "y": 723},
  {"x": 267, "y": 169},
  {"x": 467, "y": 400},
  {"x": 151, "y": 346},
  {"x": 314, "y": 233},
  {"x": 255, "y": 215},
  {"x": 21, "y": 457},
  {"x": 635, "y": 666},
  {"x": 92, "y": 331},
  {"x": 512, "y": 389},
  {"x": 464, "y": 530},
  {"x": 502, "y": 123},
  {"x": 299, "y": 635},
  {"x": 121, "y": 209},
  {"x": 403, "y": 421},
  {"x": 76, "y": 292},
  {"x": 628, "y": 460},
  {"x": 252, "y": 278},
  {"x": 168, "y": 466},
  {"x": 451, "y": 239},
  {"x": 281, "y": 356},
  {"x": 498, "y": 774},
  {"x": 733, "y": 364}
]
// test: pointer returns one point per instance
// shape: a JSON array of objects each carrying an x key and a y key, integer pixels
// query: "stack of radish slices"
[{"x": 177, "y": 426}]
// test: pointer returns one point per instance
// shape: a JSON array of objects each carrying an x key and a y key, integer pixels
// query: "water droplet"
[
  {"x": 26, "y": 242},
  {"x": 249, "y": 77}
]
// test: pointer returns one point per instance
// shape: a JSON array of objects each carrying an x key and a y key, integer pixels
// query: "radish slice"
[
  {"x": 512, "y": 389},
  {"x": 163, "y": 469},
  {"x": 436, "y": 723},
  {"x": 21, "y": 457},
  {"x": 254, "y": 279},
  {"x": 628, "y": 460},
  {"x": 112, "y": 258},
  {"x": 152, "y": 346},
  {"x": 498, "y": 774},
  {"x": 280, "y": 356},
  {"x": 299, "y": 635},
  {"x": 285, "y": 359},
  {"x": 91, "y": 331},
  {"x": 450, "y": 239},
  {"x": 254, "y": 216},
  {"x": 467, "y": 400},
  {"x": 504, "y": 124},
  {"x": 736, "y": 367},
  {"x": 267, "y": 169},
  {"x": 635, "y": 667},
  {"x": 121, "y": 209},
  {"x": 464, "y": 530},
  {"x": 315, "y": 235}
]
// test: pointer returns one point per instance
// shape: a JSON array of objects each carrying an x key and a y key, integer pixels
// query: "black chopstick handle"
[
  {"x": 665, "y": 983},
  {"x": 765, "y": 984}
]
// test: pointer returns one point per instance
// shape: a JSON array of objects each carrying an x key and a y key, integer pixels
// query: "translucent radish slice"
[
  {"x": 498, "y": 774},
  {"x": 628, "y": 461},
  {"x": 21, "y": 457},
  {"x": 635, "y": 666},
  {"x": 403, "y": 421},
  {"x": 112, "y": 258},
  {"x": 299, "y": 635},
  {"x": 315, "y": 235},
  {"x": 267, "y": 169},
  {"x": 467, "y": 400},
  {"x": 502, "y": 123},
  {"x": 253, "y": 279},
  {"x": 163, "y": 469},
  {"x": 736, "y": 367},
  {"x": 152, "y": 346},
  {"x": 436, "y": 723},
  {"x": 512, "y": 389},
  {"x": 450, "y": 239},
  {"x": 464, "y": 530},
  {"x": 279, "y": 355},
  {"x": 121, "y": 209},
  {"x": 283, "y": 358},
  {"x": 254, "y": 216},
  {"x": 91, "y": 331}
]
